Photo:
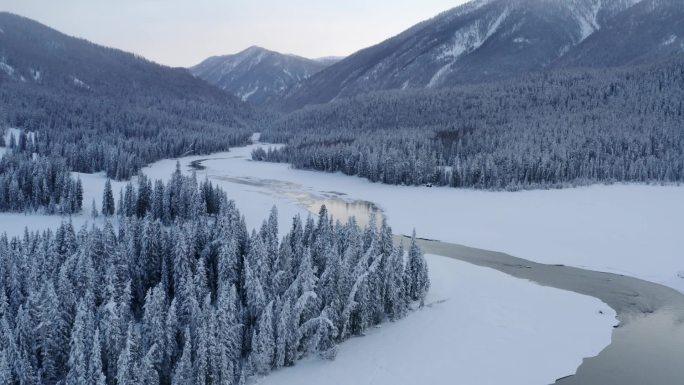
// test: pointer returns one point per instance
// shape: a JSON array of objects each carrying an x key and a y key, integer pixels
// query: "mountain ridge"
[
  {"x": 481, "y": 41},
  {"x": 256, "y": 74}
]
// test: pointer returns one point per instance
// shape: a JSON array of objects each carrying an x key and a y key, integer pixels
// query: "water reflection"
[
  {"x": 648, "y": 349},
  {"x": 339, "y": 207},
  {"x": 342, "y": 210}
]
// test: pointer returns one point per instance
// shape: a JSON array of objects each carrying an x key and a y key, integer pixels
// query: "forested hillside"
[
  {"x": 491, "y": 40},
  {"x": 106, "y": 110},
  {"x": 547, "y": 130}
]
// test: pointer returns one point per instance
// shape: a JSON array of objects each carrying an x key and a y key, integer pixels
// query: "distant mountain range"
[
  {"x": 480, "y": 41},
  {"x": 258, "y": 75},
  {"x": 487, "y": 40}
]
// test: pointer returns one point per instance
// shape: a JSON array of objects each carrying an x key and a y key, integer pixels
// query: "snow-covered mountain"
[
  {"x": 40, "y": 58},
  {"x": 650, "y": 30},
  {"x": 258, "y": 75},
  {"x": 482, "y": 40}
]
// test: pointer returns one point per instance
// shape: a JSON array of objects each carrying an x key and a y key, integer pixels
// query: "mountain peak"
[{"x": 256, "y": 74}]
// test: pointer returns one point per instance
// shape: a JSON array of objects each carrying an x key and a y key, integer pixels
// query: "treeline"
[
  {"x": 34, "y": 184},
  {"x": 199, "y": 301},
  {"x": 92, "y": 134},
  {"x": 182, "y": 198},
  {"x": 547, "y": 130},
  {"x": 118, "y": 135}
]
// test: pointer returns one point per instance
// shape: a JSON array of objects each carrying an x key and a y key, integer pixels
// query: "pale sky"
[{"x": 184, "y": 32}]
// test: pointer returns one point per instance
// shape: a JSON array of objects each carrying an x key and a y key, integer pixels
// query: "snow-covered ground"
[
  {"x": 629, "y": 229},
  {"x": 481, "y": 327},
  {"x": 520, "y": 332},
  {"x": 7, "y": 136}
]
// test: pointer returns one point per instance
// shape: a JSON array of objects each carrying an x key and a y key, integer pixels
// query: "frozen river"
[
  {"x": 646, "y": 347},
  {"x": 521, "y": 332}
]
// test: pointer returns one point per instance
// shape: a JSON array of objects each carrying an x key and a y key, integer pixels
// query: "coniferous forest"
[
  {"x": 549, "y": 130},
  {"x": 181, "y": 293},
  {"x": 166, "y": 284},
  {"x": 29, "y": 183}
]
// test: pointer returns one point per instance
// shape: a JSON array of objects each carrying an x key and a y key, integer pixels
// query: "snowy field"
[
  {"x": 481, "y": 327},
  {"x": 523, "y": 333}
]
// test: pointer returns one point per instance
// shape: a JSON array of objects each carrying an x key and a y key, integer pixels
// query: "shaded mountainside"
[
  {"x": 488, "y": 40},
  {"x": 258, "y": 75},
  {"x": 105, "y": 109},
  {"x": 35, "y": 54},
  {"x": 650, "y": 31}
]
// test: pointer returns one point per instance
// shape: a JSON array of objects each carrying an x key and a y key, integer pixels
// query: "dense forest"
[
  {"x": 36, "y": 184},
  {"x": 84, "y": 131},
  {"x": 91, "y": 108},
  {"x": 545, "y": 130},
  {"x": 192, "y": 299},
  {"x": 119, "y": 136}
]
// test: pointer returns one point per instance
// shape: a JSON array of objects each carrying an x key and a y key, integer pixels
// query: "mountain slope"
[
  {"x": 556, "y": 128},
  {"x": 36, "y": 54},
  {"x": 480, "y": 41},
  {"x": 105, "y": 109},
  {"x": 257, "y": 75},
  {"x": 651, "y": 30}
]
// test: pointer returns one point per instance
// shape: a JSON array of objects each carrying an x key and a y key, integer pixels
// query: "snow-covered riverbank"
[
  {"x": 528, "y": 333},
  {"x": 481, "y": 327},
  {"x": 628, "y": 229}
]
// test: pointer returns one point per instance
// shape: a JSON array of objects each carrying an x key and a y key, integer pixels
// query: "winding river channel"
[{"x": 646, "y": 348}]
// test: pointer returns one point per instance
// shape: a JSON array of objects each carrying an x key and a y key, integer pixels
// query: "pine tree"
[
  {"x": 6, "y": 377},
  {"x": 127, "y": 372},
  {"x": 108, "y": 208},
  {"x": 154, "y": 318},
  {"x": 286, "y": 334},
  {"x": 81, "y": 335},
  {"x": 263, "y": 343},
  {"x": 201, "y": 364},
  {"x": 170, "y": 340},
  {"x": 93, "y": 210},
  {"x": 95, "y": 374},
  {"x": 183, "y": 374},
  {"x": 256, "y": 299},
  {"x": 56, "y": 323},
  {"x": 230, "y": 330},
  {"x": 417, "y": 270},
  {"x": 148, "y": 372}
]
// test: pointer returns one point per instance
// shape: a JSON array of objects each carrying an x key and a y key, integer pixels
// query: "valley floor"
[
  {"x": 491, "y": 328},
  {"x": 628, "y": 229}
]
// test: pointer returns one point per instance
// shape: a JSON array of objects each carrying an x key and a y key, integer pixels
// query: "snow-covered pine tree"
[
  {"x": 80, "y": 349},
  {"x": 183, "y": 373},
  {"x": 108, "y": 208},
  {"x": 95, "y": 373},
  {"x": 417, "y": 272},
  {"x": 263, "y": 342}
]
